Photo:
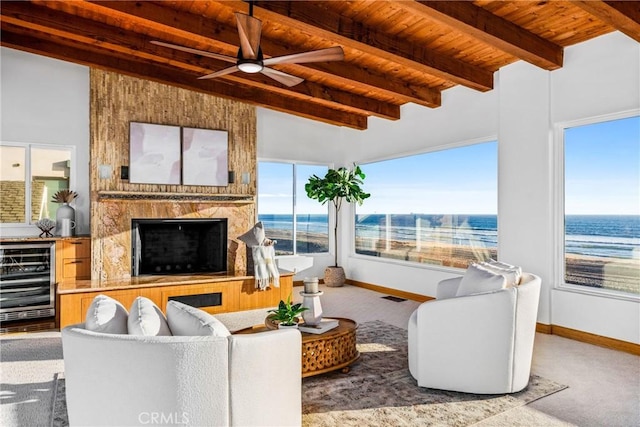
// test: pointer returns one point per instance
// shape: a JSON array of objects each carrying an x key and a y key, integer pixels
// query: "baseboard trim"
[
  {"x": 389, "y": 291},
  {"x": 599, "y": 340},
  {"x": 542, "y": 328}
]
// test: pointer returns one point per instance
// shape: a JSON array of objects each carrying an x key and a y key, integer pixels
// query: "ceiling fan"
[{"x": 250, "y": 59}]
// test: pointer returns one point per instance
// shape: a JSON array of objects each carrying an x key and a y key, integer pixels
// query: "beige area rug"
[{"x": 379, "y": 391}]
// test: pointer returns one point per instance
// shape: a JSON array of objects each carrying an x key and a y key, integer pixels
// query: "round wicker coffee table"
[{"x": 321, "y": 353}]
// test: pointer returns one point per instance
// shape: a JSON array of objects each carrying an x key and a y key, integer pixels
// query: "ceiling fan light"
[{"x": 250, "y": 67}]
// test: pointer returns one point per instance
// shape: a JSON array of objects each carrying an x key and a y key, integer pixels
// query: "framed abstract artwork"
[
  {"x": 205, "y": 157},
  {"x": 154, "y": 154}
]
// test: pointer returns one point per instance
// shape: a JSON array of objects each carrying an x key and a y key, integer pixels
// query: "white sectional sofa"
[{"x": 238, "y": 380}]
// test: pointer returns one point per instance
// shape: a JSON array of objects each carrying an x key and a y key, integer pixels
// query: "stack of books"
[{"x": 324, "y": 326}]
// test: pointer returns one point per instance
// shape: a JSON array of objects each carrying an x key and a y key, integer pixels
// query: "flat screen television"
[{"x": 178, "y": 246}]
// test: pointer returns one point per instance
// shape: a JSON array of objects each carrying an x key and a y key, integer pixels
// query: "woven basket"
[{"x": 334, "y": 277}]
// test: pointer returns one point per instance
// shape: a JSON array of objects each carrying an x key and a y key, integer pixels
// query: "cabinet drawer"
[
  {"x": 76, "y": 248},
  {"x": 73, "y": 259},
  {"x": 76, "y": 268}
]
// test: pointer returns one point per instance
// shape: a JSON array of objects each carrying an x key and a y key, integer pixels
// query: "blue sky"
[
  {"x": 602, "y": 168},
  {"x": 275, "y": 188},
  {"x": 602, "y": 177},
  {"x": 457, "y": 181}
]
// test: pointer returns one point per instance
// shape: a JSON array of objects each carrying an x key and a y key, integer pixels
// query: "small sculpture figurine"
[{"x": 46, "y": 225}]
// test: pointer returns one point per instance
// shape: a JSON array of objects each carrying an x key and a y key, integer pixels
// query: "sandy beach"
[
  {"x": 606, "y": 273},
  {"x": 307, "y": 242},
  {"x": 597, "y": 272}
]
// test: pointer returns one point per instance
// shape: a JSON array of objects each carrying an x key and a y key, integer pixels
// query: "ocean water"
[
  {"x": 613, "y": 236},
  {"x": 603, "y": 235},
  {"x": 305, "y": 222}
]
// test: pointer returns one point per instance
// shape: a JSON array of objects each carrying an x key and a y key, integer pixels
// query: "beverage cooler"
[{"x": 27, "y": 280}]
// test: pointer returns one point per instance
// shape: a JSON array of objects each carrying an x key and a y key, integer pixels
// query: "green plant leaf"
[{"x": 337, "y": 185}]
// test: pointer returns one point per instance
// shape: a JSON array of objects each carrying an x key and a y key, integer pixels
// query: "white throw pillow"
[
  {"x": 255, "y": 236},
  {"x": 479, "y": 280},
  {"x": 145, "y": 318},
  {"x": 106, "y": 315},
  {"x": 185, "y": 320},
  {"x": 512, "y": 273}
]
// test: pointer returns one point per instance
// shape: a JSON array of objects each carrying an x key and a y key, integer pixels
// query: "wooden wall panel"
[{"x": 117, "y": 100}]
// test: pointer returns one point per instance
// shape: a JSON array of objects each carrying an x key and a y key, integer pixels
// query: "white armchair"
[
  {"x": 480, "y": 343},
  {"x": 240, "y": 380}
]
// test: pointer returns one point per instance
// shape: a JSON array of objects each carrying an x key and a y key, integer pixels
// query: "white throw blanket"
[{"x": 264, "y": 264}]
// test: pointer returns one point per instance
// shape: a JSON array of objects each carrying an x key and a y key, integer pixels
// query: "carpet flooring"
[{"x": 379, "y": 391}]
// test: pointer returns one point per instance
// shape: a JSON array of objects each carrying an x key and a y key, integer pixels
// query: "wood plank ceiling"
[{"x": 395, "y": 51}]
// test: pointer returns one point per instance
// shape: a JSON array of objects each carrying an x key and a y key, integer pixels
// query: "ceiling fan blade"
[
  {"x": 284, "y": 78},
  {"x": 196, "y": 51},
  {"x": 249, "y": 30},
  {"x": 329, "y": 54},
  {"x": 222, "y": 72}
]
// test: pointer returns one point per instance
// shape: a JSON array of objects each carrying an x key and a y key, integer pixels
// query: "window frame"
[
  {"x": 432, "y": 149},
  {"x": 28, "y": 146},
  {"x": 558, "y": 207},
  {"x": 294, "y": 211}
]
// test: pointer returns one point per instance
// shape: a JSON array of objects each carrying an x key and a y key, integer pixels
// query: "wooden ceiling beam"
[
  {"x": 66, "y": 50},
  {"x": 371, "y": 81},
  {"x": 624, "y": 16},
  {"x": 310, "y": 18},
  {"x": 465, "y": 17},
  {"x": 224, "y": 36},
  {"x": 95, "y": 33}
]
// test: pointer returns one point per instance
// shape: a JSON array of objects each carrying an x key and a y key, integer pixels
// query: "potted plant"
[
  {"x": 336, "y": 186},
  {"x": 286, "y": 315}
]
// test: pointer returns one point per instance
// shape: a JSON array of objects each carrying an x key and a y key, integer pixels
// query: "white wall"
[
  {"x": 285, "y": 137},
  {"x": 46, "y": 101},
  {"x": 524, "y": 171},
  {"x": 599, "y": 77},
  {"x": 464, "y": 115}
]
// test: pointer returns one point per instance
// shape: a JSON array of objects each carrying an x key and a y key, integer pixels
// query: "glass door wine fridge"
[{"x": 27, "y": 280}]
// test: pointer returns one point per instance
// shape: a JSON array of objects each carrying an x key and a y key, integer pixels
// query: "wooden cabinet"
[
  {"x": 252, "y": 298},
  {"x": 235, "y": 294},
  {"x": 73, "y": 259}
]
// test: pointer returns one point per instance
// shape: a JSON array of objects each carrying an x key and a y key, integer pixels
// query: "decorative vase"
[
  {"x": 312, "y": 316},
  {"x": 310, "y": 285},
  {"x": 65, "y": 215},
  {"x": 334, "y": 277}
]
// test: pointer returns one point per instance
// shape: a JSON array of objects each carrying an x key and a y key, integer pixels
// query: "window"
[
  {"x": 602, "y": 205},
  {"x": 29, "y": 176},
  {"x": 299, "y": 224},
  {"x": 434, "y": 208}
]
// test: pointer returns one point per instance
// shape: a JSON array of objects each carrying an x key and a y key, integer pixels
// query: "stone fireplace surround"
[
  {"x": 116, "y": 101},
  {"x": 111, "y": 240}
]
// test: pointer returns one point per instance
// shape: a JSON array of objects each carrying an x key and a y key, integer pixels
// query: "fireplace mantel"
[{"x": 175, "y": 197}]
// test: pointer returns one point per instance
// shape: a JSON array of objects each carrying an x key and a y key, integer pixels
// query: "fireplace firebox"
[{"x": 178, "y": 246}]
